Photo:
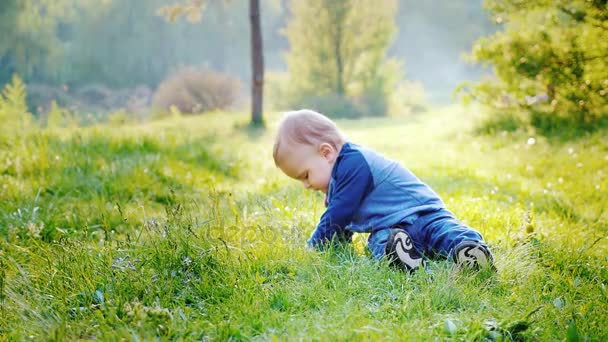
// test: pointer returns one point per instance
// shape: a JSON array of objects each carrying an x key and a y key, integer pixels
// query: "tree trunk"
[
  {"x": 339, "y": 62},
  {"x": 257, "y": 63}
]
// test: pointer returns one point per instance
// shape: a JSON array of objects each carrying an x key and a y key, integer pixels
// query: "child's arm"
[{"x": 353, "y": 181}]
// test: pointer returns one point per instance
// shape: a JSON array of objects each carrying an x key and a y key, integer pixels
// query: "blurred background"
[
  {"x": 539, "y": 64},
  {"x": 105, "y": 55}
]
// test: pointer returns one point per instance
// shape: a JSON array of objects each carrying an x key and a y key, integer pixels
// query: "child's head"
[{"x": 306, "y": 147}]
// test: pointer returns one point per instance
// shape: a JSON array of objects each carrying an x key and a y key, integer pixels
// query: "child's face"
[{"x": 311, "y": 165}]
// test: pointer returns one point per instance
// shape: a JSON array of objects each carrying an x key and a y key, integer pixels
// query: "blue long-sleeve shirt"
[{"x": 368, "y": 192}]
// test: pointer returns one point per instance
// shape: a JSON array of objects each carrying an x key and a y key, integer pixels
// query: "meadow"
[{"x": 183, "y": 229}]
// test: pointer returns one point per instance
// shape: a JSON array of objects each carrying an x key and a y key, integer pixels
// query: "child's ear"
[{"x": 326, "y": 150}]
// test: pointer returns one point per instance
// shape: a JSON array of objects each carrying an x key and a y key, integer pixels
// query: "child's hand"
[{"x": 309, "y": 246}]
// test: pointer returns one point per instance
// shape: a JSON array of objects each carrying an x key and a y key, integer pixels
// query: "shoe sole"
[
  {"x": 405, "y": 251},
  {"x": 473, "y": 256}
]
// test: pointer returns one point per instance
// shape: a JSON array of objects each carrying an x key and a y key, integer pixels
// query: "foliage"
[
  {"x": 193, "y": 90},
  {"x": 31, "y": 44},
  {"x": 40, "y": 97},
  {"x": 334, "y": 105},
  {"x": 342, "y": 56},
  {"x": 14, "y": 116},
  {"x": 122, "y": 44},
  {"x": 60, "y": 117},
  {"x": 275, "y": 90},
  {"x": 166, "y": 231},
  {"x": 502, "y": 122},
  {"x": 551, "y": 63},
  {"x": 192, "y": 10},
  {"x": 409, "y": 97}
]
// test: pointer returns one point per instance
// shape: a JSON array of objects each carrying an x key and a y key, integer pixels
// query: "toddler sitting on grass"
[{"x": 368, "y": 193}]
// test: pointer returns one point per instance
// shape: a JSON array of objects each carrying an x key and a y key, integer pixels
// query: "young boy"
[{"x": 367, "y": 193}]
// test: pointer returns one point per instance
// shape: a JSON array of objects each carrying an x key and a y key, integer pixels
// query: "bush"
[
  {"x": 281, "y": 97},
  {"x": 503, "y": 121},
  {"x": 40, "y": 97},
  {"x": 334, "y": 106},
  {"x": 377, "y": 86},
  {"x": 60, "y": 117},
  {"x": 276, "y": 91},
  {"x": 409, "y": 98},
  {"x": 14, "y": 115},
  {"x": 550, "y": 63},
  {"x": 194, "y": 90},
  {"x": 92, "y": 98},
  {"x": 93, "y": 94},
  {"x": 119, "y": 117}
]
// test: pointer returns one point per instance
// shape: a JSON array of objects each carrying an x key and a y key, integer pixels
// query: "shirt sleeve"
[{"x": 353, "y": 181}]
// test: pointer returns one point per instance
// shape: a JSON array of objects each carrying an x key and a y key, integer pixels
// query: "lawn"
[{"x": 184, "y": 229}]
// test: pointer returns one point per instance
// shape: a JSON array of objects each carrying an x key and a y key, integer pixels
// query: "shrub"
[
  {"x": 41, "y": 96},
  {"x": 276, "y": 91},
  {"x": 92, "y": 98},
  {"x": 333, "y": 105},
  {"x": 93, "y": 94},
  {"x": 501, "y": 121},
  {"x": 194, "y": 90},
  {"x": 281, "y": 97},
  {"x": 409, "y": 97},
  {"x": 377, "y": 86},
  {"x": 139, "y": 100},
  {"x": 60, "y": 117},
  {"x": 14, "y": 115},
  {"x": 550, "y": 62}
]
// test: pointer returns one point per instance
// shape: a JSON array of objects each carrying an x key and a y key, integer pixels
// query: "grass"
[{"x": 184, "y": 229}]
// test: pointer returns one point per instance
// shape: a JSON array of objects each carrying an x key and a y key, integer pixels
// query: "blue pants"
[{"x": 434, "y": 234}]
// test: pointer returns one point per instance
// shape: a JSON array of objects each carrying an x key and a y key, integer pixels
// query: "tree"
[
  {"x": 31, "y": 43},
  {"x": 550, "y": 62},
  {"x": 257, "y": 63},
  {"x": 134, "y": 49},
  {"x": 192, "y": 10},
  {"x": 140, "y": 47},
  {"x": 337, "y": 51}
]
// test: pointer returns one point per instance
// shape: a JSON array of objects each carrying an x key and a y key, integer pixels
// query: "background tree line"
[
  {"x": 125, "y": 43},
  {"x": 546, "y": 61}
]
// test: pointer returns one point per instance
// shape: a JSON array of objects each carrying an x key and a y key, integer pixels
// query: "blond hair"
[{"x": 307, "y": 127}]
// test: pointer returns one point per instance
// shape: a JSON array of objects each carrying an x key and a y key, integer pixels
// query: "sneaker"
[
  {"x": 473, "y": 255},
  {"x": 401, "y": 252}
]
